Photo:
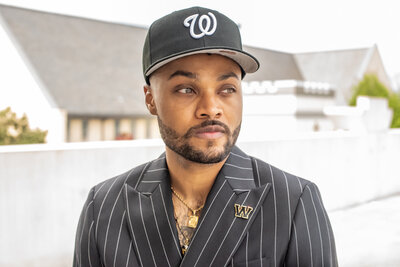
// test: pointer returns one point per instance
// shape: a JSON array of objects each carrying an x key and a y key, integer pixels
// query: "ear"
[{"x": 149, "y": 98}]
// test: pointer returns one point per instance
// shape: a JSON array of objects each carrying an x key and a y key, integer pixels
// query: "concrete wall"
[{"x": 43, "y": 187}]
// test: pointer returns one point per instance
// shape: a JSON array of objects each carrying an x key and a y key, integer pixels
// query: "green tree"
[
  {"x": 371, "y": 86},
  {"x": 14, "y": 130},
  {"x": 394, "y": 103}
]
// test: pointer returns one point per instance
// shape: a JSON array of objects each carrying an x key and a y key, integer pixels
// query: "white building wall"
[
  {"x": 94, "y": 130},
  {"x": 21, "y": 91},
  {"x": 154, "y": 131},
  {"x": 75, "y": 130},
  {"x": 109, "y": 129},
  {"x": 140, "y": 129},
  {"x": 125, "y": 126}
]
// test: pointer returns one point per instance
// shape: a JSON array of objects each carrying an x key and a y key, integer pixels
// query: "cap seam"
[
  {"x": 201, "y": 49},
  {"x": 204, "y": 38},
  {"x": 151, "y": 58}
]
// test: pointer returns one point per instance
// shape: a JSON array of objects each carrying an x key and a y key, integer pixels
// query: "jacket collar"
[
  {"x": 152, "y": 224},
  {"x": 237, "y": 171}
]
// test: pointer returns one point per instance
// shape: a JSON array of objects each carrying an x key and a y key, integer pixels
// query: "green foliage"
[
  {"x": 394, "y": 103},
  {"x": 371, "y": 86},
  {"x": 14, "y": 130}
]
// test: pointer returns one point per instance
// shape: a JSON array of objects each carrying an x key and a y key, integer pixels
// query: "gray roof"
[
  {"x": 93, "y": 68},
  {"x": 342, "y": 68},
  {"x": 89, "y": 67},
  {"x": 274, "y": 65}
]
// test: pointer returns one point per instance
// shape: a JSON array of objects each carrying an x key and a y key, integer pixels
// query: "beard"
[{"x": 180, "y": 144}]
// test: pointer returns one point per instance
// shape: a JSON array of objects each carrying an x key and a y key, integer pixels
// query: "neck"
[{"x": 192, "y": 180}]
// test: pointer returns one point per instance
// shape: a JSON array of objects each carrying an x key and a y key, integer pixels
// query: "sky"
[{"x": 283, "y": 25}]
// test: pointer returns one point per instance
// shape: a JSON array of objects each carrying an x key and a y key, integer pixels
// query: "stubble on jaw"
[{"x": 180, "y": 143}]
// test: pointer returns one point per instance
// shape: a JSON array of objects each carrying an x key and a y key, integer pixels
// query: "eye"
[
  {"x": 229, "y": 90},
  {"x": 186, "y": 91}
]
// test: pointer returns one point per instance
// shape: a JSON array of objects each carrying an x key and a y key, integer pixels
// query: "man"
[{"x": 203, "y": 202}]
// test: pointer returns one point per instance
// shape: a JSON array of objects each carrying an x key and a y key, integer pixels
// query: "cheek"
[
  {"x": 234, "y": 111},
  {"x": 175, "y": 116}
]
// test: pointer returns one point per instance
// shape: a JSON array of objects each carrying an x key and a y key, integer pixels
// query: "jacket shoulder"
[
  {"x": 281, "y": 181},
  {"x": 115, "y": 184}
]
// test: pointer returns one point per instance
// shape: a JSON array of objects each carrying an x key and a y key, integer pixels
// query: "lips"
[
  {"x": 210, "y": 129},
  {"x": 210, "y": 132}
]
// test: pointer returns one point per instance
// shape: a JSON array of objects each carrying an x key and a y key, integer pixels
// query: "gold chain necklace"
[
  {"x": 193, "y": 219},
  {"x": 185, "y": 240}
]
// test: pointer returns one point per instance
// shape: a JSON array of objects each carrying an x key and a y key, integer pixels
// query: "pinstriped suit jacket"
[{"x": 128, "y": 220}]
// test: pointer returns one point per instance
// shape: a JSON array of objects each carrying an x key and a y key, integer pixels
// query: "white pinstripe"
[
  {"x": 206, "y": 212},
  {"x": 247, "y": 249},
  {"x": 119, "y": 236},
  {"x": 130, "y": 223},
  {"x": 170, "y": 227},
  {"x": 156, "y": 170},
  {"x": 101, "y": 207},
  {"x": 243, "y": 168},
  {"x": 258, "y": 173},
  {"x": 319, "y": 227},
  {"x": 240, "y": 156},
  {"x": 237, "y": 244},
  {"x": 261, "y": 235},
  {"x": 301, "y": 188},
  {"x": 95, "y": 194},
  {"x": 83, "y": 224},
  {"x": 297, "y": 244},
  {"x": 208, "y": 239},
  {"x": 90, "y": 231},
  {"x": 229, "y": 229},
  {"x": 158, "y": 230},
  {"x": 288, "y": 199},
  {"x": 141, "y": 174},
  {"x": 151, "y": 182},
  {"x": 109, "y": 219},
  {"x": 239, "y": 178},
  {"x": 145, "y": 229},
  {"x": 275, "y": 213},
  {"x": 262, "y": 215},
  {"x": 327, "y": 227},
  {"x": 129, "y": 254},
  {"x": 108, "y": 226},
  {"x": 308, "y": 230}
]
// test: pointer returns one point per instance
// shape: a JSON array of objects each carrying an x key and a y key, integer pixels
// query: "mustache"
[{"x": 193, "y": 129}]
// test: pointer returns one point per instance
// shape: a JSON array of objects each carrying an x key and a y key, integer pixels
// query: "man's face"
[{"x": 198, "y": 102}]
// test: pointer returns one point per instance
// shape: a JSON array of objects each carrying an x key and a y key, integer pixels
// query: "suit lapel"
[
  {"x": 150, "y": 216},
  {"x": 219, "y": 232}
]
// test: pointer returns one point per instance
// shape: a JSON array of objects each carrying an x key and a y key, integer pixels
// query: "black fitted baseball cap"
[{"x": 192, "y": 31}]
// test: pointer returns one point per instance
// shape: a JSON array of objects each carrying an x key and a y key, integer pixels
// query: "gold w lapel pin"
[{"x": 243, "y": 211}]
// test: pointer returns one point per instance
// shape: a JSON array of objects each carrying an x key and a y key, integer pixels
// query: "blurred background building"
[{"x": 82, "y": 80}]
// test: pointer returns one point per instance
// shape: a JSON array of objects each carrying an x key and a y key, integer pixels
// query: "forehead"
[{"x": 200, "y": 63}]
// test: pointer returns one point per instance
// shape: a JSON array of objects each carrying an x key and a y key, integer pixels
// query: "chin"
[{"x": 211, "y": 153}]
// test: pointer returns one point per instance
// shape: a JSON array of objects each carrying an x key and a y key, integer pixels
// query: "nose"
[{"x": 208, "y": 107}]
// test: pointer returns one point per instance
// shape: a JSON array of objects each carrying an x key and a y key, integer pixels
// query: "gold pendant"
[
  {"x": 184, "y": 250},
  {"x": 193, "y": 221}
]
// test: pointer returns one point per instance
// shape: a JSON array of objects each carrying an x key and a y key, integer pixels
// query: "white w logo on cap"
[{"x": 204, "y": 30}]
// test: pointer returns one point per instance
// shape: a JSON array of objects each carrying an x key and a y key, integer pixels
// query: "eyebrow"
[
  {"x": 182, "y": 73},
  {"x": 227, "y": 76}
]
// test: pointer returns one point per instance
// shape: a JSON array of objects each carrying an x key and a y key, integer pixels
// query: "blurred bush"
[
  {"x": 371, "y": 86},
  {"x": 14, "y": 130}
]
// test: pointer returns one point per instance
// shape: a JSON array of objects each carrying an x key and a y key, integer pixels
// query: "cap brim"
[{"x": 247, "y": 62}]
